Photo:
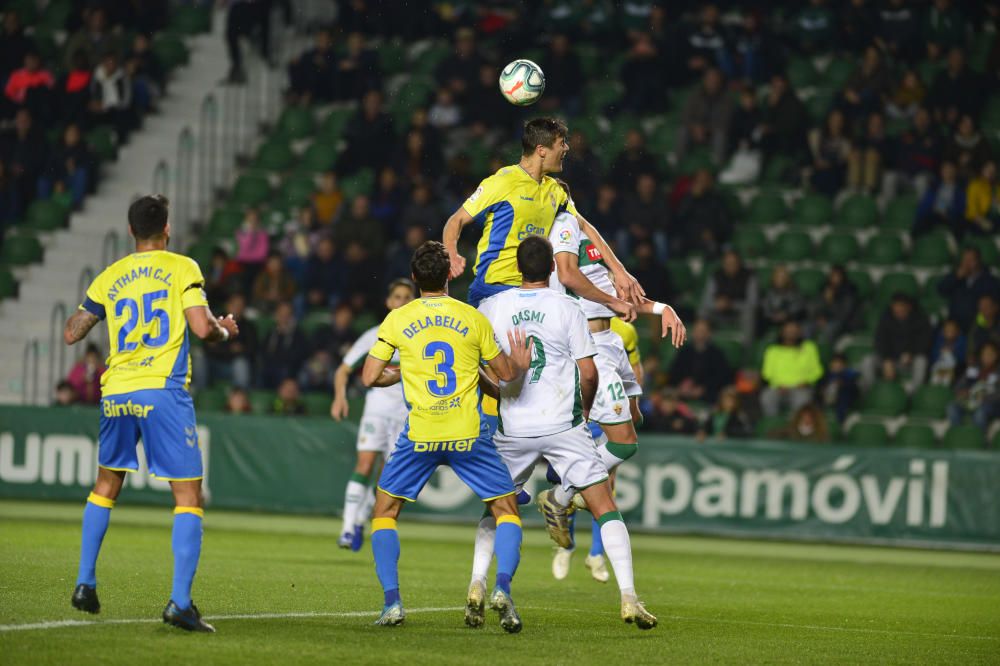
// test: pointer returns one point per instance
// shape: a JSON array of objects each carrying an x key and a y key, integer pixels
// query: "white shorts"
[
  {"x": 378, "y": 433},
  {"x": 616, "y": 381},
  {"x": 571, "y": 453}
]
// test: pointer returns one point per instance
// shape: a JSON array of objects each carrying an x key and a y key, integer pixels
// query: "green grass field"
[{"x": 281, "y": 592}]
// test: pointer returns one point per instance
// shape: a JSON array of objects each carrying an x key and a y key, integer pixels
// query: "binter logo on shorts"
[
  {"x": 112, "y": 409},
  {"x": 459, "y": 445}
]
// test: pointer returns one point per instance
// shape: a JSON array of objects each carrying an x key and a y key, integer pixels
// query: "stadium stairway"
[{"x": 73, "y": 255}]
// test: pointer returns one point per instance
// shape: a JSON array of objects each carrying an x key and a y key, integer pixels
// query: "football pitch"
[{"x": 279, "y": 591}]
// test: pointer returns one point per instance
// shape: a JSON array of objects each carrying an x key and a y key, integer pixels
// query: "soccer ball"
[{"x": 522, "y": 82}]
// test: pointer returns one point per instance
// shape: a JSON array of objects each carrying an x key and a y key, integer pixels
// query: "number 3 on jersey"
[
  {"x": 150, "y": 315},
  {"x": 444, "y": 357}
]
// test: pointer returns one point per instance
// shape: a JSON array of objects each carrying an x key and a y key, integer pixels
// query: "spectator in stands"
[
  {"x": 283, "y": 350},
  {"x": 562, "y": 71},
  {"x": 834, "y": 312},
  {"x": 73, "y": 92},
  {"x": 753, "y": 55},
  {"x": 24, "y": 152},
  {"x": 147, "y": 74},
  {"x": 14, "y": 44},
  {"x": 907, "y": 96},
  {"x": 968, "y": 148},
  {"x": 830, "y": 147},
  {"x": 668, "y": 414},
  {"x": 444, "y": 113},
  {"x": 288, "y": 402},
  {"x": 461, "y": 68},
  {"x": 69, "y": 167},
  {"x": 487, "y": 113},
  {"x": 703, "y": 221},
  {"x": 781, "y": 301},
  {"x": 808, "y": 424},
  {"x": 65, "y": 394},
  {"x": 300, "y": 237},
  {"x": 956, "y": 91},
  {"x": 898, "y": 30},
  {"x": 814, "y": 27},
  {"x": 421, "y": 211},
  {"x": 388, "y": 200},
  {"x": 705, "y": 46},
  {"x": 640, "y": 73},
  {"x": 947, "y": 360},
  {"x": 241, "y": 19},
  {"x": 237, "y": 400},
  {"x": 857, "y": 25},
  {"x": 648, "y": 269},
  {"x": 359, "y": 225},
  {"x": 700, "y": 369},
  {"x": 706, "y": 117},
  {"x": 417, "y": 159},
  {"x": 730, "y": 296},
  {"x": 943, "y": 204},
  {"x": 986, "y": 327},
  {"x": 978, "y": 393},
  {"x": 944, "y": 27},
  {"x": 317, "y": 372},
  {"x": 336, "y": 336},
  {"x": 94, "y": 40},
  {"x": 791, "y": 369},
  {"x": 233, "y": 363},
  {"x": 364, "y": 275},
  {"x": 633, "y": 162},
  {"x": 327, "y": 200},
  {"x": 982, "y": 203},
  {"x": 31, "y": 85},
  {"x": 583, "y": 168},
  {"x": 839, "y": 389},
  {"x": 728, "y": 419},
  {"x": 784, "y": 120},
  {"x": 398, "y": 262},
  {"x": 966, "y": 285},
  {"x": 111, "y": 97},
  {"x": 902, "y": 342},
  {"x": 357, "y": 69},
  {"x": 85, "y": 376},
  {"x": 919, "y": 153},
  {"x": 370, "y": 136},
  {"x": 324, "y": 275},
  {"x": 273, "y": 284},
  {"x": 869, "y": 156},
  {"x": 646, "y": 218},
  {"x": 867, "y": 86},
  {"x": 221, "y": 276},
  {"x": 252, "y": 246},
  {"x": 312, "y": 75}
]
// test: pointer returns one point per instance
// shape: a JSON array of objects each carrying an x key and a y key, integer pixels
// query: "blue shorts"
[
  {"x": 491, "y": 421},
  {"x": 480, "y": 290},
  {"x": 164, "y": 419},
  {"x": 475, "y": 461}
]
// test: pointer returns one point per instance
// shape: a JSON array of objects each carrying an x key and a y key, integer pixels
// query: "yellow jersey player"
[
  {"x": 518, "y": 201},
  {"x": 441, "y": 342},
  {"x": 630, "y": 338},
  {"x": 151, "y": 300}
]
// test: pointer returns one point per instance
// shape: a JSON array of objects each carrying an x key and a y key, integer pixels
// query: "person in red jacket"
[{"x": 30, "y": 76}]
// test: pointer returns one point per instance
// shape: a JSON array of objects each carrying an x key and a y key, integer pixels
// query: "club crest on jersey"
[{"x": 618, "y": 409}]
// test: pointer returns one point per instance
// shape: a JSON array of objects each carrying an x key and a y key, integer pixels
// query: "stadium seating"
[
  {"x": 965, "y": 436},
  {"x": 868, "y": 434},
  {"x": 915, "y": 436},
  {"x": 885, "y": 399}
]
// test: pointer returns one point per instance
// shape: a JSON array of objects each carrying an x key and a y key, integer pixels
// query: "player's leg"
[
  {"x": 386, "y": 550},
  {"x": 357, "y": 491},
  {"x": 189, "y": 512},
  {"x": 619, "y": 550}
]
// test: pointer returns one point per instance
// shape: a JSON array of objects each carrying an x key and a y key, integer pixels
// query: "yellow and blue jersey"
[
  {"x": 143, "y": 297},
  {"x": 629, "y": 336},
  {"x": 440, "y": 342},
  {"x": 511, "y": 205}
]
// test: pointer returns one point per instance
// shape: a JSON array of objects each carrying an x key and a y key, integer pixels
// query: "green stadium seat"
[
  {"x": 839, "y": 248},
  {"x": 317, "y": 403},
  {"x": 750, "y": 242},
  {"x": 791, "y": 246},
  {"x": 170, "y": 50},
  {"x": 661, "y": 140},
  {"x": 225, "y": 222},
  {"x": 264, "y": 325},
  {"x": 964, "y": 436},
  {"x": 813, "y": 210},
  {"x": 392, "y": 56},
  {"x": 868, "y": 434},
  {"x": 274, "y": 155},
  {"x": 251, "y": 190},
  {"x": 884, "y": 399},
  {"x": 212, "y": 399},
  {"x": 696, "y": 160},
  {"x": 862, "y": 281},
  {"x": 295, "y": 122},
  {"x": 314, "y": 321},
  {"x": 20, "y": 250},
  {"x": 45, "y": 215},
  {"x": 819, "y": 106},
  {"x": 261, "y": 401},
  {"x": 767, "y": 424},
  {"x": 8, "y": 284},
  {"x": 297, "y": 190},
  {"x": 427, "y": 60},
  {"x": 334, "y": 123},
  {"x": 900, "y": 213},
  {"x": 893, "y": 282},
  {"x": 601, "y": 95},
  {"x": 931, "y": 401},
  {"x": 103, "y": 141},
  {"x": 191, "y": 20},
  {"x": 321, "y": 155},
  {"x": 858, "y": 212},
  {"x": 883, "y": 249},
  {"x": 682, "y": 278},
  {"x": 777, "y": 170},
  {"x": 362, "y": 182},
  {"x": 802, "y": 73},
  {"x": 64, "y": 200},
  {"x": 767, "y": 208},
  {"x": 931, "y": 251},
  {"x": 810, "y": 281},
  {"x": 856, "y": 353},
  {"x": 54, "y": 17},
  {"x": 201, "y": 252},
  {"x": 837, "y": 73},
  {"x": 733, "y": 349},
  {"x": 915, "y": 436}
]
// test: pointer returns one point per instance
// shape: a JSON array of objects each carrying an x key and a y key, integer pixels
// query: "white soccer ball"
[{"x": 522, "y": 82}]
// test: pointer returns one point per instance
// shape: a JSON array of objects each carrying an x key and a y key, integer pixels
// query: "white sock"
[
  {"x": 618, "y": 548},
  {"x": 365, "y": 511},
  {"x": 561, "y": 496},
  {"x": 353, "y": 499},
  {"x": 486, "y": 534}
]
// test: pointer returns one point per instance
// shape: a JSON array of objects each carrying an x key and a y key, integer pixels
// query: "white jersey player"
[
  {"x": 542, "y": 416},
  {"x": 381, "y": 422}
]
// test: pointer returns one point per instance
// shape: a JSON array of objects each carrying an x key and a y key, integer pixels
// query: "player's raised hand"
[
  {"x": 520, "y": 349},
  {"x": 669, "y": 321},
  {"x": 623, "y": 309},
  {"x": 457, "y": 265},
  {"x": 229, "y": 323},
  {"x": 339, "y": 408},
  {"x": 628, "y": 287}
]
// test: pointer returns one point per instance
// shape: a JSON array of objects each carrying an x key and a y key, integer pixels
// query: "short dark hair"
[
  {"x": 542, "y": 132},
  {"x": 534, "y": 259},
  {"x": 430, "y": 266},
  {"x": 147, "y": 216}
]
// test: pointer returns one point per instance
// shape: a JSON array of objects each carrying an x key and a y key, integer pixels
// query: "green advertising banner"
[{"x": 753, "y": 489}]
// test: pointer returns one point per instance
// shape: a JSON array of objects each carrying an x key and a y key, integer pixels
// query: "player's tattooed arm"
[
  {"x": 377, "y": 372},
  {"x": 628, "y": 287},
  {"x": 452, "y": 231},
  {"x": 78, "y": 325}
]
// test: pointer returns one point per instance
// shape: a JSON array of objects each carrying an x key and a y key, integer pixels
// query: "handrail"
[
  {"x": 30, "y": 359},
  {"x": 56, "y": 319},
  {"x": 112, "y": 248},
  {"x": 184, "y": 194},
  {"x": 208, "y": 135}
]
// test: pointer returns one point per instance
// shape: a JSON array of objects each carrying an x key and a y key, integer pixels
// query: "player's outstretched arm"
[
  {"x": 206, "y": 326},
  {"x": 568, "y": 269},
  {"x": 669, "y": 321},
  {"x": 339, "y": 408},
  {"x": 452, "y": 231},
  {"x": 588, "y": 381},
  {"x": 78, "y": 325},
  {"x": 488, "y": 385},
  {"x": 377, "y": 373},
  {"x": 512, "y": 366},
  {"x": 628, "y": 287}
]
